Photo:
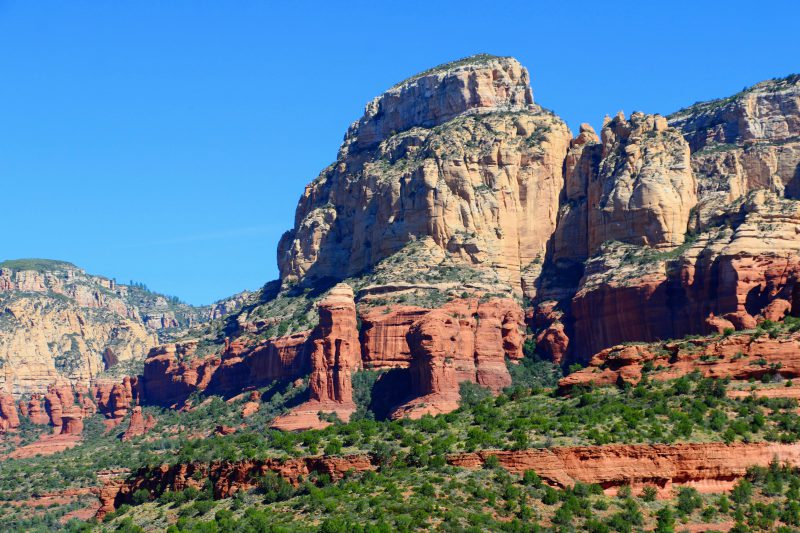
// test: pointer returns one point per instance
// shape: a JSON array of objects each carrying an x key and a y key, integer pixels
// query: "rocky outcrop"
[
  {"x": 708, "y": 467},
  {"x": 464, "y": 340},
  {"x": 226, "y": 477},
  {"x": 172, "y": 372},
  {"x": 71, "y": 420},
  {"x": 748, "y": 141},
  {"x": 139, "y": 424},
  {"x": 335, "y": 355},
  {"x": 738, "y": 356},
  {"x": 9, "y": 417},
  {"x": 644, "y": 189},
  {"x": 459, "y": 155},
  {"x": 58, "y": 322},
  {"x": 492, "y": 331},
  {"x": 435, "y": 341},
  {"x": 115, "y": 399},
  {"x": 741, "y": 272},
  {"x": 36, "y": 412},
  {"x": 252, "y": 406}
]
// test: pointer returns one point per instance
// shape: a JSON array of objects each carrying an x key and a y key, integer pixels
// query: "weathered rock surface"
[
  {"x": 460, "y": 155},
  {"x": 740, "y": 272},
  {"x": 226, "y": 478},
  {"x": 644, "y": 189},
  {"x": 739, "y": 356},
  {"x": 172, "y": 372},
  {"x": 115, "y": 399},
  {"x": 335, "y": 355},
  {"x": 748, "y": 141},
  {"x": 9, "y": 417},
  {"x": 139, "y": 424},
  {"x": 58, "y": 322},
  {"x": 708, "y": 467}
]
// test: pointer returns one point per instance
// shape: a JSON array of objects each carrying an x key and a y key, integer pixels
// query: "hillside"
[{"x": 59, "y": 323}]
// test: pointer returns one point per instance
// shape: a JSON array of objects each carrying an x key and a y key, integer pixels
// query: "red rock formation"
[
  {"x": 383, "y": 335},
  {"x": 86, "y": 404},
  {"x": 739, "y": 356},
  {"x": 252, "y": 406},
  {"x": 139, "y": 424},
  {"x": 36, "y": 413},
  {"x": 114, "y": 400},
  {"x": 709, "y": 467},
  {"x": 494, "y": 326},
  {"x": 72, "y": 420},
  {"x": 336, "y": 355},
  {"x": 23, "y": 408},
  {"x": 9, "y": 418},
  {"x": 52, "y": 403},
  {"x": 171, "y": 373},
  {"x": 436, "y": 341},
  {"x": 728, "y": 278},
  {"x": 226, "y": 477}
]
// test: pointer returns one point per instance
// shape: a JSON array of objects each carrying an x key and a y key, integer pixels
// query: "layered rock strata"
[
  {"x": 708, "y": 467},
  {"x": 460, "y": 155},
  {"x": 335, "y": 355},
  {"x": 739, "y": 357}
]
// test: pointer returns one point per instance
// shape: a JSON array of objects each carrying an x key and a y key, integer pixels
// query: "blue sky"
[{"x": 168, "y": 142}]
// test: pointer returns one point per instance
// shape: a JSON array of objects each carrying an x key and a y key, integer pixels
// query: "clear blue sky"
[{"x": 168, "y": 142}]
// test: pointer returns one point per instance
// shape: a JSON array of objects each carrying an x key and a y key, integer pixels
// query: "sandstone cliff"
[
  {"x": 57, "y": 322},
  {"x": 748, "y": 141},
  {"x": 460, "y": 155}
]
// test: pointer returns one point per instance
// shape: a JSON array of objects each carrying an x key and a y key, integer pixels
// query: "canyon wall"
[{"x": 58, "y": 322}]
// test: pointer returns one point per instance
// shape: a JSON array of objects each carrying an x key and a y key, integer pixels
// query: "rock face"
[
  {"x": 9, "y": 417},
  {"x": 459, "y": 155},
  {"x": 336, "y": 355},
  {"x": 708, "y": 467},
  {"x": 745, "y": 142},
  {"x": 741, "y": 266},
  {"x": 172, "y": 372},
  {"x": 739, "y": 356},
  {"x": 226, "y": 477},
  {"x": 115, "y": 399},
  {"x": 644, "y": 189},
  {"x": 139, "y": 424},
  {"x": 58, "y": 322},
  {"x": 741, "y": 272}
]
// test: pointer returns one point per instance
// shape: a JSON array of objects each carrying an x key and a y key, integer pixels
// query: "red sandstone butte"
[{"x": 336, "y": 355}]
